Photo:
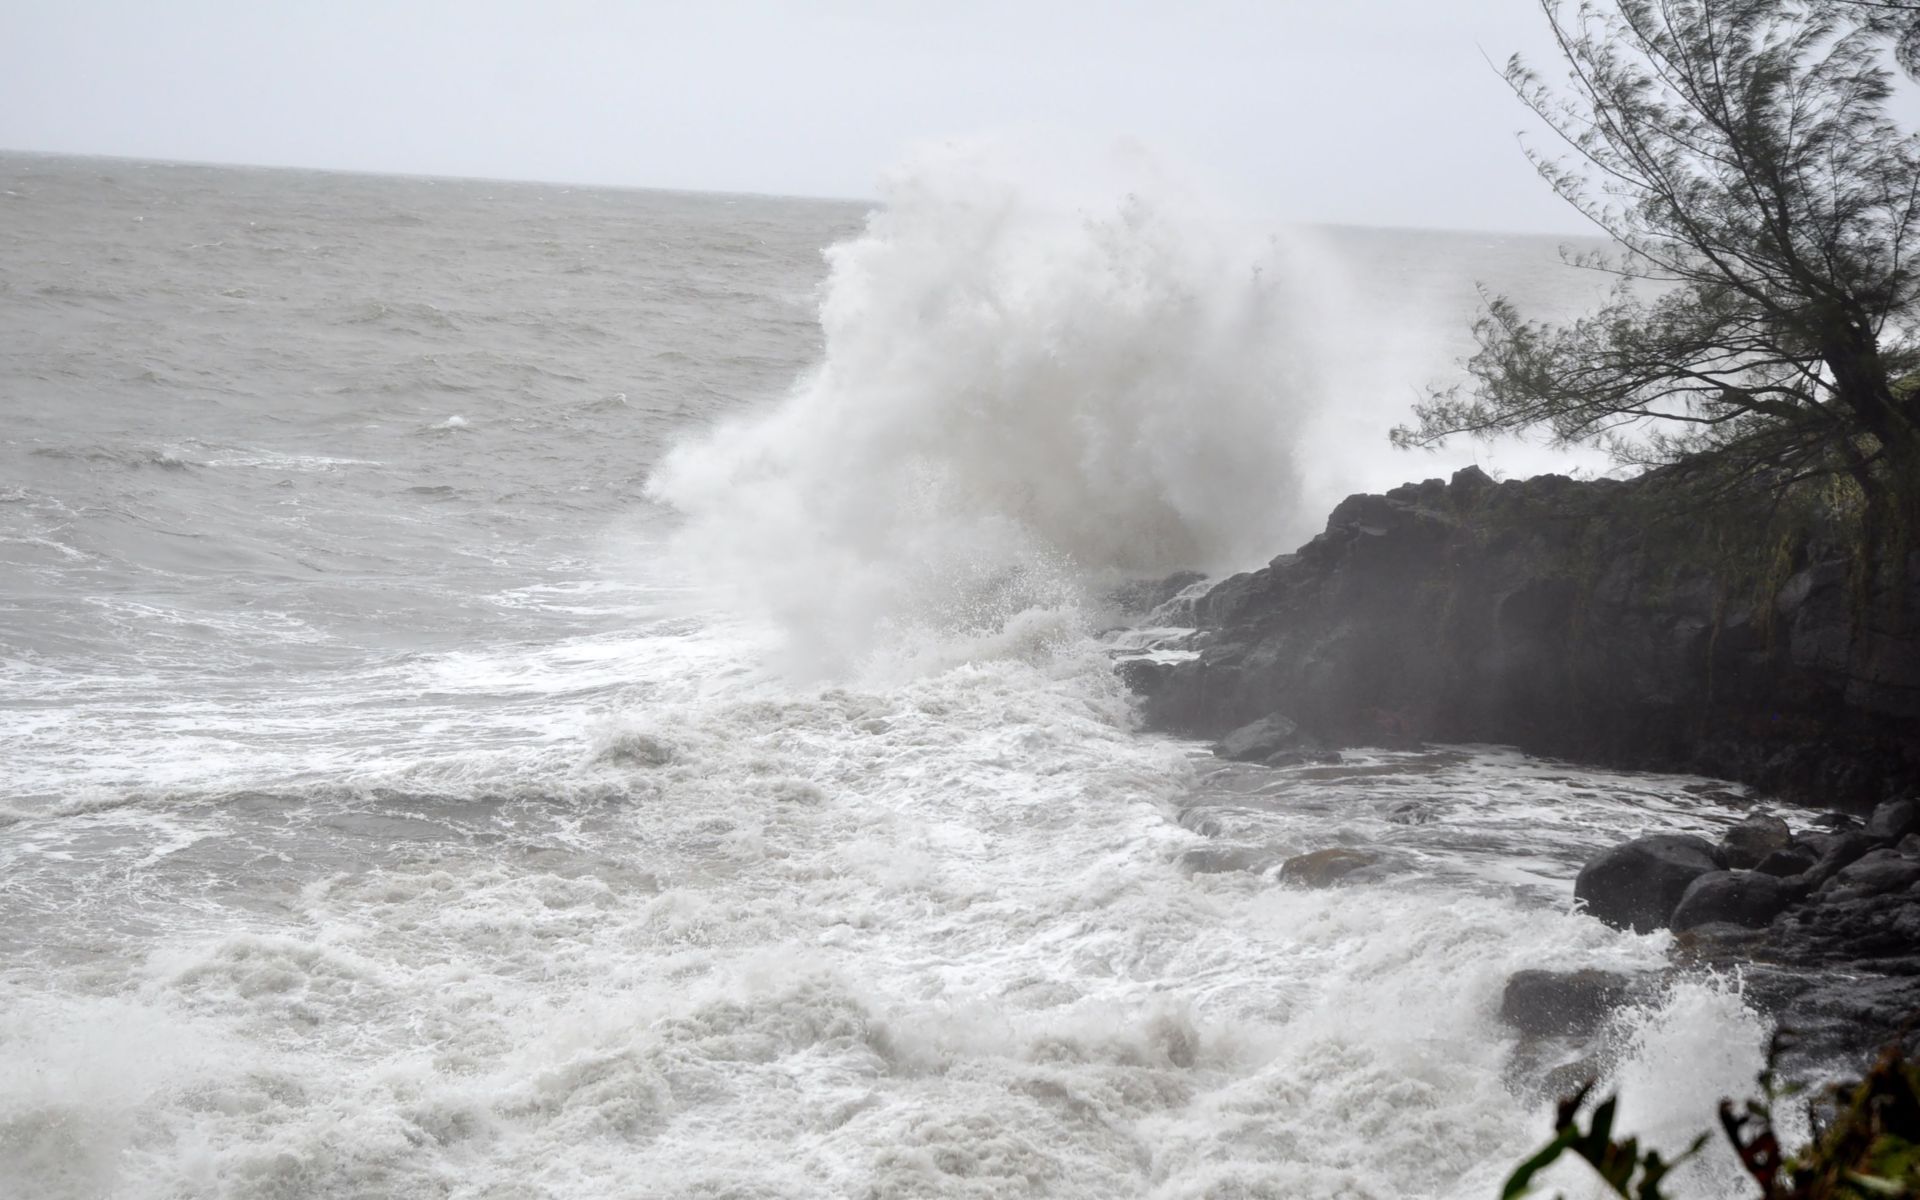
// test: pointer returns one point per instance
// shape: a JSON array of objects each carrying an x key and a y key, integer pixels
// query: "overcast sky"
[{"x": 1383, "y": 112}]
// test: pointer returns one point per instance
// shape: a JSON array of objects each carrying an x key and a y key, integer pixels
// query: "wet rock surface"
[
  {"x": 1832, "y": 955},
  {"x": 1832, "y": 950},
  {"x": 1556, "y": 1003},
  {"x": 1893, "y": 821},
  {"x": 1219, "y": 860},
  {"x": 1748, "y": 899},
  {"x": 1275, "y": 740},
  {"x": 1637, "y": 885},
  {"x": 1569, "y": 619},
  {"x": 1324, "y": 868},
  {"x": 1749, "y": 843}
]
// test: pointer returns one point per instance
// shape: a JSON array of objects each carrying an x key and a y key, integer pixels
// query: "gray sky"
[{"x": 1383, "y": 112}]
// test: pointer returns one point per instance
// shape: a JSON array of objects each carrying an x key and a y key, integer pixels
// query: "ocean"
[{"x": 514, "y": 690}]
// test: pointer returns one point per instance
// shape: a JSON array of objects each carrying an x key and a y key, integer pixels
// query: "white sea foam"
[
  {"x": 919, "y": 937},
  {"x": 1022, "y": 385},
  {"x": 560, "y": 897}
]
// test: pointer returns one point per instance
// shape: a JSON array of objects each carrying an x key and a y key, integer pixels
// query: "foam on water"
[
  {"x": 387, "y": 841},
  {"x": 926, "y": 939}
]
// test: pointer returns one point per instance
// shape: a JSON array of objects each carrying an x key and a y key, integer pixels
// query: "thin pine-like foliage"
[{"x": 1762, "y": 206}]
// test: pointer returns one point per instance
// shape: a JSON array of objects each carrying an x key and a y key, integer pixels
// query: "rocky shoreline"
[
  {"x": 1823, "y": 921},
  {"x": 1591, "y": 621},
  {"x": 1578, "y": 620}
]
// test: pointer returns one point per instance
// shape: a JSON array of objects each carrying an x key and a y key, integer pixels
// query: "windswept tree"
[
  {"x": 1897, "y": 19},
  {"x": 1763, "y": 207}
]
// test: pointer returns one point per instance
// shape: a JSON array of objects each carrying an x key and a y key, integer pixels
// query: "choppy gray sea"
[{"x": 510, "y": 690}]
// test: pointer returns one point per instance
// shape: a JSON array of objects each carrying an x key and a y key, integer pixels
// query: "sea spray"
[
  {"x": 1024, "y": 386},
  {"x": 378, "y": 836}
]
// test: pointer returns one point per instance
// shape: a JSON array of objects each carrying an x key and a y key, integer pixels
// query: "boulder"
[
  {"x": 1840, "y": 851},
  {"x": 1550, "y": 1003},
  {"x": 1273, "y": 737},
  {"x": 1876, "y": 873},
  {"x": 1815, "y": 842},
  {"x": 1747, "y": 843},
  {"x": 1793, "y": 860},
  {"x": 1569, "y": 1077},
  {"x": 1638, "y": 884},
  {"x": 1323, "y": 868},
  {"x": 1749, "y": 899},
  {"x": 1893, "y": 820}
]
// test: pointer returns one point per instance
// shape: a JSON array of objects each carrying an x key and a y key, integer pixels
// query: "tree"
[
  {"x": 1897, "y": 19},
  {"x": 1763, "y": 207}
]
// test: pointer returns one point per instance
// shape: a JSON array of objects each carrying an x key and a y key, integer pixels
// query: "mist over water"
[
  {"x": 1039, "y": 375},
  {"x": 1021, "y": 386},
  {"x": 502, "y": 702}
]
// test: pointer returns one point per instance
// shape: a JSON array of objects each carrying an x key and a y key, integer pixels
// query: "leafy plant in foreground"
[{"x": 1870, "y": 1150}]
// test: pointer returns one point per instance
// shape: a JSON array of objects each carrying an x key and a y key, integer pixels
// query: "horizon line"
[{"x": 806, "y": 197}]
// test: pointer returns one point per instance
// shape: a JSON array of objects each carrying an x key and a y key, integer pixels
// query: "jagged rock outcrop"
[{"x": 1577, "y": 619}]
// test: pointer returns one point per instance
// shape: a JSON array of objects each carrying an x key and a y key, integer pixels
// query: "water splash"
[{"x": 1025, "y": 384}]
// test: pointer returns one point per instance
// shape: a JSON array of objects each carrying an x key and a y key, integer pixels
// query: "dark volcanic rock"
[
  {"x": 1637, "y": 885},
  {"x": 1837, "y": 853},
  {"x": 1873, "y": 874},
  {"x": 1267, "y": 740},
  {"x": 1893, "y": 820},
  {"x": 1568, "y": 618},
  {"x": 1549, "y": 1003},
  {"x": 1793, "y": 860},
  {"x": 1613, "y": 622},
  {"x": 1747, "y": 843},
  {"x": 1841, "y": 966},
  {"x": 1745, "y": 898}
]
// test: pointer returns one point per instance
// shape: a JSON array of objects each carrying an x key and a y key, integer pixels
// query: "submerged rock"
[
  {"x": 1410, "y": 812},
  {"x": 1275, "y": 740},
  {"x": 1221, "y": 860},
  {"x": 1551, "y": 1003},
  {"x": 1637, "y": 885},
  {"x": 1323, "y": 868}
]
